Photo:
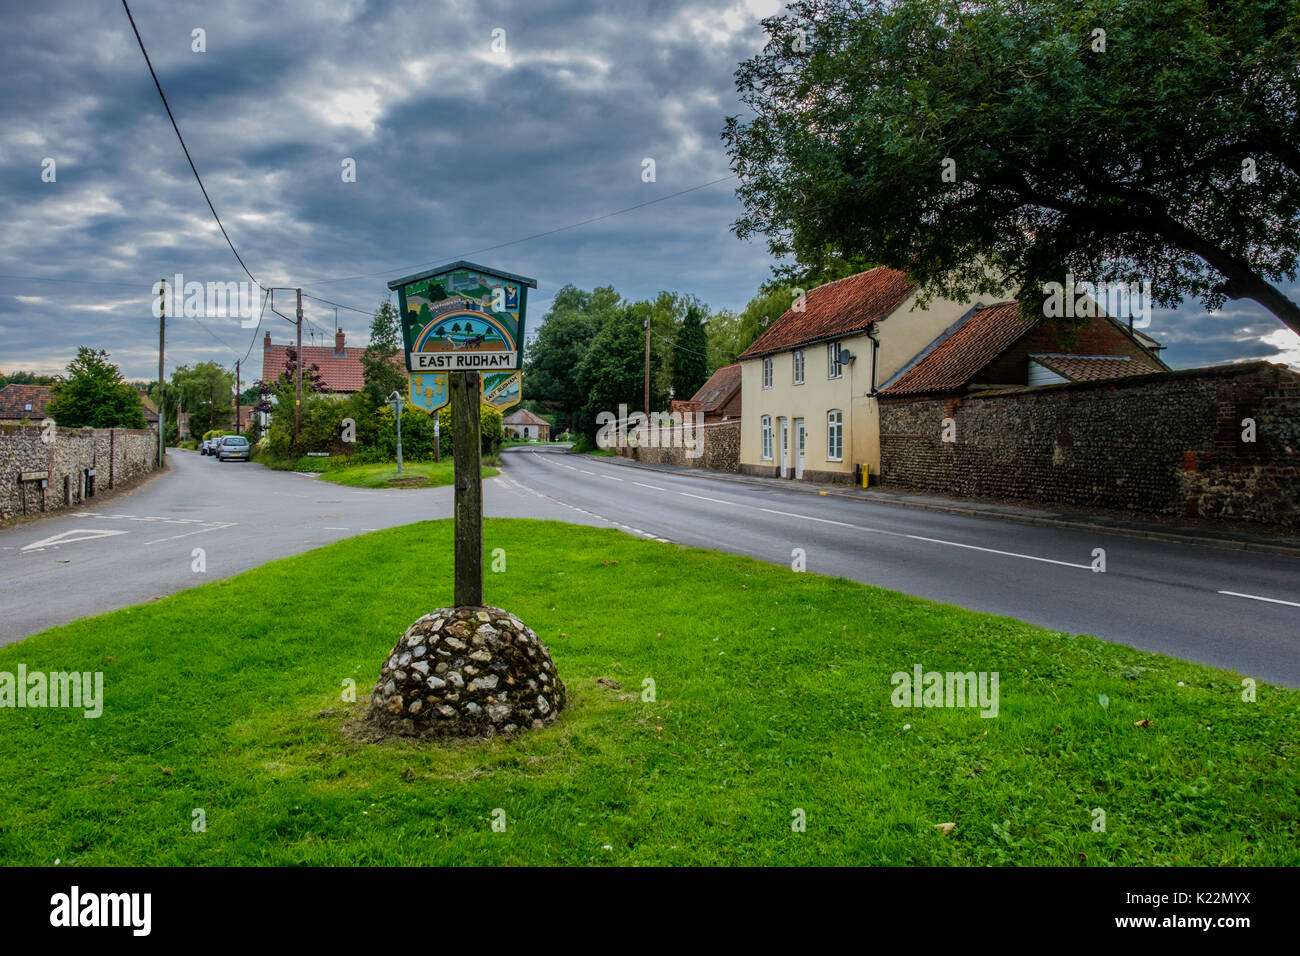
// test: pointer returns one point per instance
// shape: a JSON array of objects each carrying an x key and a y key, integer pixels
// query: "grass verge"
[
  {"x": 771, "y": 695},
  {"x": 414, "y": 475}
]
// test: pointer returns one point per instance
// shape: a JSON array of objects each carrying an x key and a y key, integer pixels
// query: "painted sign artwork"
[
  {"x": 462, "y": 321},
  {"x": 429, "y": 390},
  {"x": 502, "y": 389}
]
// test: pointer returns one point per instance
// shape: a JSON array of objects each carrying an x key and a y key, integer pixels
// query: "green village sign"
[
  {"x": 461, "y": 317},
  {"x": 470, "y": 670}
]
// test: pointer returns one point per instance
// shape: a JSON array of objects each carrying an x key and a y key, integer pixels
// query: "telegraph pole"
[
  {"x": 647, "y": 367},
  {"x": 297, "y": 404},
  {"x": 237, "y": 361},
  {"x": 162, "y": 341}
]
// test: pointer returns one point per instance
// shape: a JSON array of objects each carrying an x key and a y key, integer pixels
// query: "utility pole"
[
  {"x": 469, "y": 488},
  {"x": 237, "y": 416},
  {"x": 647, "y": 367},
  {"x": 162, "y": 341},
  {"x": 297, "y": 403}
]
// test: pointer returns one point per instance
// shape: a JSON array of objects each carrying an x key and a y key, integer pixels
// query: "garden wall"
[
  {"x": 666, "y": 446},
  {"x": 77, "y": 462},
  {"x": 1165, "y": 444}
]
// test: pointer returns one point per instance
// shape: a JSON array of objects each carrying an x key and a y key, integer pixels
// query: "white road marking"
[
  {"x": 917, "y": 537},
  {"x": 215, "y": 527},
  {"x": 610, "y": 477},
  {"x": 644, "y": 485},
  {"x": 334, "y": 529},
  {"x": 586, "y": 472},
  {"x": 67, "y": 537},
  {"x": 687, "y": 494},
  {"x": 1256, "y": 597},
  {"x": 570, "y": 467}
]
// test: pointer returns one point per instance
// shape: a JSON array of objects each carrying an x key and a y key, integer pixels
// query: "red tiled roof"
[
  {"x": 15, "y": 398},
  {"x": 838, "y": 308},
  {"x": 341, "y": 373},
  {"x": 717, "y": 391},
  {"x": 958, "y": 358},
  {"x": 1092, "y": 368},
  {"x": 522, "y": 416}
]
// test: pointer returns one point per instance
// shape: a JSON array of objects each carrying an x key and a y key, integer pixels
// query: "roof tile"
[{"x": 838, "y": 308}]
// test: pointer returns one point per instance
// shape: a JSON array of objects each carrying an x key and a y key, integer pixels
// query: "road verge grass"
[{"x": 771, "y": 696}]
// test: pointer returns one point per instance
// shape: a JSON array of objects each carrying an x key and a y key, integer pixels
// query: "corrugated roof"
[
  {"x": 717, "y": 391},
  {"x": 838, "y": 308},
  {"x": 957, "y": 359},
  {"x": 1092, "y": 368},
  {"x": 14, "y": 400}
]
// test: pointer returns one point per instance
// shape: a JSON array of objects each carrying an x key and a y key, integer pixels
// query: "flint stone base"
[{"x": 466, "y": 672}]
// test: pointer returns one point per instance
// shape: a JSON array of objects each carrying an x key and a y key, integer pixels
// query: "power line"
[
  {"x": 183, "y": 146},
  {"x": 337, "y": 305},
  {"x": 265, "y": 298},
  {"x": 536, "y": 235}
]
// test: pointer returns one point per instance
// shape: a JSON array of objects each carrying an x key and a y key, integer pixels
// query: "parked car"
[
  {"x": 205, "y": 447},
  {"x": 233, "y": 448}
]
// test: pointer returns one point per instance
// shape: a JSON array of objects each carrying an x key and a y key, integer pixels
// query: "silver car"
[{"x": 232, "y": 448}]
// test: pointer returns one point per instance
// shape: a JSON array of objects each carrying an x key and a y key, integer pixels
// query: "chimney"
[
  {"x": 266, "y": 342},
  {"x": 338, "y": 341}
]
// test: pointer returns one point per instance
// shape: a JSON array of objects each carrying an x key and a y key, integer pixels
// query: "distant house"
[
  {"x": 718, "y": 398},
  {"x": 19, "y": 403},
  {"x": 521, "y": 423},
  {"x": 150, "y": 410}
]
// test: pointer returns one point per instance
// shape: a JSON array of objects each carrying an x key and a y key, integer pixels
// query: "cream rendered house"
[{"x": 809, "y": 381}]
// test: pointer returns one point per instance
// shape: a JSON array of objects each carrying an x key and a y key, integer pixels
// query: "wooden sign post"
[
  {"x": 463, "y": 323},
  {"x": 466, "y": 452}
]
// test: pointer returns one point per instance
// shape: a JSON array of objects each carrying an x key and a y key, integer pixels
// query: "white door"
[
  {"x": 799, "y": 433},
  {"x": 785, "y": 447}
]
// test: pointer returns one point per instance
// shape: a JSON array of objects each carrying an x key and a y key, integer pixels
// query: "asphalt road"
[
  {"x": 1159, "y": 596},
  {"x": 138, "y": 545}
]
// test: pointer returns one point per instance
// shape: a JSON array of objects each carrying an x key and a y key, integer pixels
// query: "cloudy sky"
[{"x": 457, "y": 147}]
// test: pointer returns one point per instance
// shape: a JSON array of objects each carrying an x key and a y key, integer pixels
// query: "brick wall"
[
  {"x": 117, "y": 455},
  {"x": 1168, "y": 444},
  {"x": 721, "y": 448}
]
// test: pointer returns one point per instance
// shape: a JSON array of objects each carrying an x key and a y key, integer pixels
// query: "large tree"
[
  {"x": 1164, "y": 148},
  {"x": 613, "y": 371},
  {"x": 382, "y": 374},
  {"x": 690, "y": 361},
  {"x": 94, "y": 395},
  {"x": 563, "y": 339},
  {"x": 206, "y": 392}
]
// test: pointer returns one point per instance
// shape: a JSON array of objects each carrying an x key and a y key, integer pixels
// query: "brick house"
[
  {"x": 20, "y": 403},
  {"x": 996, "y": 347},
  {"x": 339, "y": 367}
]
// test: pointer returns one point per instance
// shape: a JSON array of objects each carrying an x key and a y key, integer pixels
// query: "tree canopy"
[
  {"x": 93, "y": 394},
  {"x": 974, "y": 143},
  {"x": 690, "y": 362}
]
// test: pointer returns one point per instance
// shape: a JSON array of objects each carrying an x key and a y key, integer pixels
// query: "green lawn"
[
  {"x": 772, "y": 695},
  {"x": 384, "y": 475}
]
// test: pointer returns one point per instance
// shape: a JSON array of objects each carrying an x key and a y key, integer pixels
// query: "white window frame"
[
  {"x": 835, "y": 435},
  {"x": 833, "y": 360},
  {"x": 766, "y": 449},
  {"x": 767, "y": 372},
  {"x": 798, "y": 366}
]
